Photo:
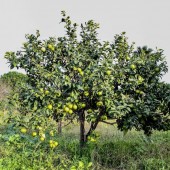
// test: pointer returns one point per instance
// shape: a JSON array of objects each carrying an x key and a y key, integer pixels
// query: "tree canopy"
[{"x": 77, "y": 76}]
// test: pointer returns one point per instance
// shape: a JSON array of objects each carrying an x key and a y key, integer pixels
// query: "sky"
[{"x": 146, "y": 22}]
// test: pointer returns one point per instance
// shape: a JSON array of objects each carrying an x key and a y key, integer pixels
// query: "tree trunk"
[
  {"x": 82, "y": 129},
  {"x": 59, "y": 127}
]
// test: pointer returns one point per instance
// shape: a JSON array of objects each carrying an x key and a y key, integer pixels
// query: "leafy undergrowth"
[{"x": 109, "y": 150}]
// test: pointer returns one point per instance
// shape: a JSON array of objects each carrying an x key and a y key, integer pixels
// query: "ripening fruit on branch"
[
  {"x": 79, "y": 70},
  {"x": 108, "y": 72},
  {"x": 51, "y": 47},
  {"x": 140, "y": 79},
  {"x": 89, "y": 111},
  {"x": 103, "y": 117},
  {"x": 74, "y": 107},
  {"x": 50, "y": 107},
  {"x": 133, "y": 67},
  {"x": 70, "y": 111},
  {"x": 42, "y": 138},
  {"x": 70, "y": 106},
  {"x": 23, "y": 130},
  {"x": 100, "y": 93},
  {"x": 39, "y": 127},
  {"x": 43, "y": 49},
  {"x": 51, "y": 133},
  {"x": 34, "y": 134},
  {"x": 66, "y": 109},
  {"x": 86, "y": 93},
  {"x": 83, "y": 105},
  {"x": 53, "y": 144},
  {"x": 100, "y": 103},
  {"x": 46, "y": 92}
]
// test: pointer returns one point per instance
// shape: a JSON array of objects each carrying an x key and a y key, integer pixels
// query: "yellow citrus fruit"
[
  {"x": 34, "y": 134},
  {"x": 43, "y": 49},
  {"x": 50, "y": 106},
  {"x": 86, "y": 93},
  {"x": 23, "y": 130},
  {"x": 51, "y": 133},
  {"x": 108, "y": 72},
  {"x": 66, "y": 109},
  {"x": 79, "y": 69},
  {"x": 46, "y": 92},
  {"x": 70, "y": 111},
  {"x": 75, "y": 107},
  {"x": 42, "y": 138}
]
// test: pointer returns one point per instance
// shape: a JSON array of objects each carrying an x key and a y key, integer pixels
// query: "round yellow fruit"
[
  {"x": 89, "y": 111},
  {"x": 70, "y": 111},
  {"x": 79, "y": 69},
  {"x": 23, "y": 130},
  {"x": 50, "y": 107},
  {"x": 51, "y": 145},
  {"x": 70, "y": 106},
  {"x": 74, "y": 107},
  {"x": 56, "y": 143},
  {"x": 100, "y": 103},
  {"x": 133, "y": 67},
  {"x": 83, "y": 105},
  {"x": 108, "y": 72},
  {"x": 42, "y": 138},
  {"x": 99, "y": 93},
  {"x": 51, "y": 133},
  {"x": 34, "y": 134},
  {"x": 86, "y": 93},
  {"x": 46, "y": 92},
  {"x": 51, "y": 141},
  {"x": 50, "y": 47},
  {"x": 43, "y": 49},
  {"x": 66, "y": 109}
]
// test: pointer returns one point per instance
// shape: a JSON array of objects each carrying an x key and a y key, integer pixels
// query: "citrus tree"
[{"x": 79, "y": 77}]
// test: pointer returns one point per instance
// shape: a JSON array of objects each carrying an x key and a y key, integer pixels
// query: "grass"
[{"x": 112, "y": 151}]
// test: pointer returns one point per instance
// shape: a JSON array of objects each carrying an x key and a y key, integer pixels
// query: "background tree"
[
  {"x": 85, "y": 79},
  {"x": 10, "y": 84},
  {"x": 13, "y": 79}
]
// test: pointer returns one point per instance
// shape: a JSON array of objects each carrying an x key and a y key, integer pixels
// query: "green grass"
[{"x": 112, "y": 151}]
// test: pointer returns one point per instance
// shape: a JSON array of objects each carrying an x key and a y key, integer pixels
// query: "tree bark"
[
  {"x": 59, "y": 127},
  {"x": 82, "y": 129}
]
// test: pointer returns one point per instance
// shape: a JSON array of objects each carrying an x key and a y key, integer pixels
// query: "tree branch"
[{"x": 109, "y": 123}]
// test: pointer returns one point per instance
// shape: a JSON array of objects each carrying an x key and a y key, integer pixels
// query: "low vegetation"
[{"x": 107, "y": 149}]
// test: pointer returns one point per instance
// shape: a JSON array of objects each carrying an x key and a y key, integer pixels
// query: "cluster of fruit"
[
  {"x": 50, "y": 47},
  {"x": 79, "y": 70},
  {"x": 69, "y": 108},
  {"x": 42, "y": 135},
  {"x": 93, "y": 137}
]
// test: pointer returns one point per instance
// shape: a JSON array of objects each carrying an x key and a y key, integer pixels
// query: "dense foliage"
[
  {"x": 13, "y": 79},
  {"x": 80, "y": 77}
]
